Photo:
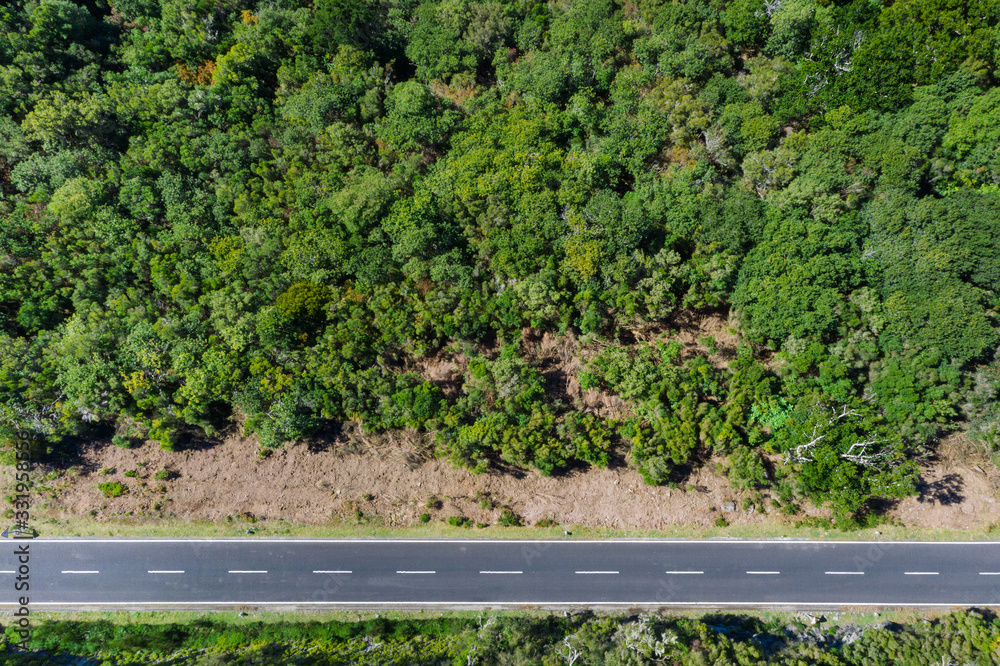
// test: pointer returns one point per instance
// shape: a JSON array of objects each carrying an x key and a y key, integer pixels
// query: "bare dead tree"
[
  {"x": 844, "y": 412},
  {"x": 771, "y": 7},
  {"x": 568, "y": 651},
  {"x": 488, "y": 624},
  {"x": 818, "y": 84},
  {"x": 30, "y": 424},
  {"x": 858, "y": 453},
  {"x": 800, "y": 453},
  {"x": 842, "y": 61},
  {"x": 640, "y": 637}
]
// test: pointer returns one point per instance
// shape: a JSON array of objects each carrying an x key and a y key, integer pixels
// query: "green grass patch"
[
  {"x": 175, "y": 526},
  {"x": 113, "y": 489}
]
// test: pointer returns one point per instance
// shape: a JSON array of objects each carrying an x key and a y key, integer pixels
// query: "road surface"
[{"x": 76, "y": 573}]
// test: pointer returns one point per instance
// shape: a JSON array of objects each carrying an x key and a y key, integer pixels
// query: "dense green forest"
[
  {"x": 580, "y": 639},
  {"x": 271, "y": 213}
]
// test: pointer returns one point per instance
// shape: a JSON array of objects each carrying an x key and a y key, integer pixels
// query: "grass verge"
[{"x": 176, "y": 527}]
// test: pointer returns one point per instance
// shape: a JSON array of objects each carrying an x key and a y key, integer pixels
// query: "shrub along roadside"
[{"x": 722, "y": 639}]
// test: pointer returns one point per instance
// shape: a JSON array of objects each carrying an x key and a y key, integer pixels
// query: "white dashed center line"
[
  {"x": 165, "y": 571},
  {"x": 11, "y": 571},
  {"x": 981, "y": 573},
  {"x": 683, "y": 573},
  {"x": 80, "y": 572},
  {"x": 920, "y": 573},
  {"x": 333, "y": 571},
  {"x": 610, "y": 573},
  {"x": 764, "y": 573},
  {"x": 844, "y": 573},
  {"x": 246, "y": 571},
  {"x": 416, "y": 572},
  {"x": 501, "y": 572}
]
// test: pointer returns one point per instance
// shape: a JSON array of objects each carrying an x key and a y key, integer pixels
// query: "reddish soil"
[
  {"x": 389, "y": 481},
  {"x": 958, "y": 490}
]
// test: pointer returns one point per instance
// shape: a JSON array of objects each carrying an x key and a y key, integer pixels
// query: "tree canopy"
[{"x": 278, "y": 214}]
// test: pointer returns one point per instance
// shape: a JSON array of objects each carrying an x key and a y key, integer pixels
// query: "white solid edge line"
[
  {"x": 404, "y": 540},
  {"x": 247, "y": 571},
  {"x": 80, "y": 572},
  {"x": 682, "y": 573},
  {"x": 501, "y": 572},
  {"x": 416, "y": 572},
  {"x": 653, "y": 604},
  {"x": 844, "y": 573},
  {"x": 764, "y": 573},
  {"x": 165, "y": 571},
  {"x": 610, "y": 573},
  {"x": 325, "y": 571},
  {"x": 920, "y": 573}
]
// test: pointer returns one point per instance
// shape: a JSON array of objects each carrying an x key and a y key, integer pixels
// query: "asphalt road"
[{"x": 411, "y": 573}]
